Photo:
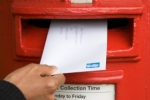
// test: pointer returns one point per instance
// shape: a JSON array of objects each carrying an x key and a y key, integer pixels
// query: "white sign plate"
[{"x": 86, "y": 92}]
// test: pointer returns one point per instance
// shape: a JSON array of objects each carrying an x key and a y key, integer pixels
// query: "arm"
[
  {"x": 35, "y": 81},
  {"x": 9, "y": 91}
]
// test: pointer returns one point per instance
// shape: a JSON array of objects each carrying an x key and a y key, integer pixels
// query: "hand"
[{"x": 35, "y": 81}]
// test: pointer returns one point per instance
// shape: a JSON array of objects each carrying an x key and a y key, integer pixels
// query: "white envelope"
[{"x": 76, "y": 45}]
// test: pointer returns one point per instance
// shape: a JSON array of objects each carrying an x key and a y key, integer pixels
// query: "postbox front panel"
[{"x": 24, "y": 26}]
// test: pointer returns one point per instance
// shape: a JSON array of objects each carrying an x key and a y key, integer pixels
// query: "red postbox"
[{"x": 24, "y": 25}]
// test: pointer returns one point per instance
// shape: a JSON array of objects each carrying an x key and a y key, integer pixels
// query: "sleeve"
[{"x": 8, "y": 91}]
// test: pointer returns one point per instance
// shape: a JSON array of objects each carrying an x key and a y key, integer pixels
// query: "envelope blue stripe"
[{"x": 93, "y": 65}]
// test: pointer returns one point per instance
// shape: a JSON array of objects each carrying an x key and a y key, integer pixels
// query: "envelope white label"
[{"x": 86, "y": 92}]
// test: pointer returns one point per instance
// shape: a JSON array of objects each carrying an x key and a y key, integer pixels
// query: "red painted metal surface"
[{"x": 24, "y": 25}]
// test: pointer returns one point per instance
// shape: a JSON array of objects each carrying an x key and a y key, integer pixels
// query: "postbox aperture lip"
[{"x": 24, "y": 51}]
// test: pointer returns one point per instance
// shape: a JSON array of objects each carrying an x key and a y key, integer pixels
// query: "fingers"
[
  {"x": 60, "y": 79},
  {"x": 51, "y": 96},
  {"x": 53, "y": 82},
  {"x": 46, "y": 71},
  {"x": 43, "y": 70}
]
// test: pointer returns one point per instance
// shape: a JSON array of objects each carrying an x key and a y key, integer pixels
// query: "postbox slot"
[
  {"x": 30, "y": 38},
  {"x": 120, "y": 34},
  {"x": 34, "y": 33},
  {"x": 41, "y": 23}
]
